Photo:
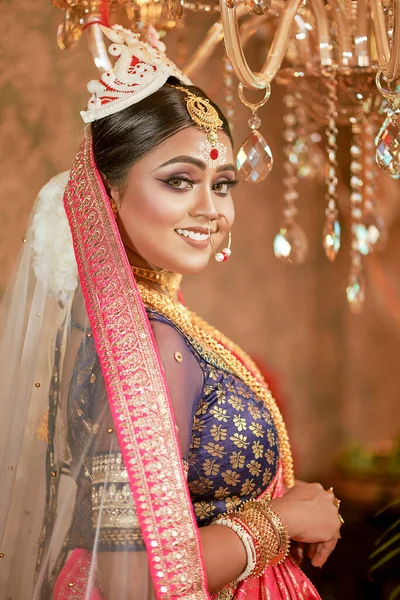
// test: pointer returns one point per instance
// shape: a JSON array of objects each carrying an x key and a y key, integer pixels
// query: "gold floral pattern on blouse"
[{"x": 233, "y": 453}]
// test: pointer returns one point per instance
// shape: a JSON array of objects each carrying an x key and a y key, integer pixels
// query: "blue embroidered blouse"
[{"x": 228, "y": 440}]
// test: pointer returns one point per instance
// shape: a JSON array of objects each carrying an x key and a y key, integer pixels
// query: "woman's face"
[{"x": 170, "y": 196}]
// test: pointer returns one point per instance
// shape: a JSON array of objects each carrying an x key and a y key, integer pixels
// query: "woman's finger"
[
  {"x": 312, "y": 549},
  {"x": 322, "y": 553}
]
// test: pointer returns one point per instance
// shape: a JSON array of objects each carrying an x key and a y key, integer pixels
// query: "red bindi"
[{"x": 214, "y": 154}]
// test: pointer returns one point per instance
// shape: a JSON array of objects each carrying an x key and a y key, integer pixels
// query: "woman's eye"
[
  {"x": 179, "y": 183},
  {"x": 222, "y": 187}
]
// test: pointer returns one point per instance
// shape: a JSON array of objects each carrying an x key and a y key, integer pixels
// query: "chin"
[{"x": 190, "y": 265}]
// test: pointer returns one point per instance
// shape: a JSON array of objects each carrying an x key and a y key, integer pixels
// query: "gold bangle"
[
  {"x": 280, "y": 529},
  {"x": 263, "y": 532},
  {"x": 268, "y": 533}
]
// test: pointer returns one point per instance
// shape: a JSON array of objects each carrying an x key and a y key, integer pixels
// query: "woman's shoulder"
[
  {"x": 198, "y": 336},
  {"x": 172, "y": 339}
]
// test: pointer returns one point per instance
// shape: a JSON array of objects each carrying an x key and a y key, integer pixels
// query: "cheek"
[
  {"x": 151, "y": 208},
  {"x": 228, "y": 209}
]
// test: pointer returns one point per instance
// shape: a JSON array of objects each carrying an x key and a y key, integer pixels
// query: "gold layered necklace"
[
  {"x": 167, "y": 280},
  {"x": 194, "y": 327}
]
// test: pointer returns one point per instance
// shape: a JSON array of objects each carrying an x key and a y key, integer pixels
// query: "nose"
[{"x": 205, "y": 207}]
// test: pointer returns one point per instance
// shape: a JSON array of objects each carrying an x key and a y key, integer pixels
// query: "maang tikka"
[{"x": 206, "y": 117}]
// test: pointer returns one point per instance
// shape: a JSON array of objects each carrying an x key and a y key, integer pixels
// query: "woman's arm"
[
  {"x": 307, "y": 510},
  {"x": 125, "y": 576},
  {"x": 224, "y": 555},
  {"x": 310, "y": 516}
]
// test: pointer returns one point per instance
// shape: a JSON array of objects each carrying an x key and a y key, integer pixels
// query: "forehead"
[{"x": 186, "y": 142}]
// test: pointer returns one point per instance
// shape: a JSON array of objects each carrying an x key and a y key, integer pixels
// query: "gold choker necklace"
[{"x": 167, "y": 280}]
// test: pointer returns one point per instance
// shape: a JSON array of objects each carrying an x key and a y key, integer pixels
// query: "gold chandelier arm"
[
  {"x": 303, "y": 45},
  {"x": 214, "y": 35},
  {"x": 381, "y": 37},
  {"x": 392, "y": 70},
  {"x": 345, "y": 49},
  {"x": 97, "y": 47},
  {"x": 234, "y": 49},
  {"x": 303, "y": 39},
  {"x": 249, "y": 28},
  {"x": 276, "y": 53},
  {"x": 362, "y": 35},
  {"x": 323, "y": 35}
]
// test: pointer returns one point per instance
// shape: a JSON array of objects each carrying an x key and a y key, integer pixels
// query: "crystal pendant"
[
  {"x": 254, "y": 160},
  {"x": 361, "y": 234},
  {"x": 331, "y": 237},
  {"x": 388, "y": 144},
  {"x": 377, "y": 234},
  {"x": 307, "y": 158},
  {"x": 356, "y": 293},
  {"x": 291, "y": 244}
]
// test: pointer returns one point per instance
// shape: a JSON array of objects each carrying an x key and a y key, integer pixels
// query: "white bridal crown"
[{"x": 141, "y": 69}]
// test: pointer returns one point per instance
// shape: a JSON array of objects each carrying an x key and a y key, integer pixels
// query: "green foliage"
[
  {"x": 378, "y": 459},
  {"x": 387, "y": 547}
]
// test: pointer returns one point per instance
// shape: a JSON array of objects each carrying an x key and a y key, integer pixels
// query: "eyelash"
[{"x": 230, "y": 184}]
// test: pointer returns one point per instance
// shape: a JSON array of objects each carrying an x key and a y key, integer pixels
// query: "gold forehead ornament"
[{"x": 206, "y": 117}]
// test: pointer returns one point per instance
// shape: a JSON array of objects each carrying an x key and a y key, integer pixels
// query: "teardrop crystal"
[
  {"x": 254, "y": 159},
  {"x": 377, "y": 233},
  {"x": 331, "y": 237},
  {"x": 356, "y": 293},
  {"x": 291, "y": 244},
  {"x": 387, "y": 144}
]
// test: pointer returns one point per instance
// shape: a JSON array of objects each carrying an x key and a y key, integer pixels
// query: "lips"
[
  {"x": 192, "y": 234},
  {"x": 197, "y": 237}
]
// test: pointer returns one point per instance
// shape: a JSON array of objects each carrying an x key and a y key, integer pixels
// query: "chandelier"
[{"x": 339, "y": 61}]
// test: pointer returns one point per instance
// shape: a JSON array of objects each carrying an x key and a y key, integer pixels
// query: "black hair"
[{"x": 123, "y": 138}]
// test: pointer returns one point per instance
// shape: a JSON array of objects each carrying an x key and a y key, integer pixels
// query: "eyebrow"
[{"x": 196, "y": 162}]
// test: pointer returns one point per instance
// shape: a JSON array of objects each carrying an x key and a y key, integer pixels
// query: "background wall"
[{"x": 337, "y": 373}]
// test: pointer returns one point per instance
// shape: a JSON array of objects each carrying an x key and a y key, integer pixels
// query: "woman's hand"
[{"x": 312, "y": 517}]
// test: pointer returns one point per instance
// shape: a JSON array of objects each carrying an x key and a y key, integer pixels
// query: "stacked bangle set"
[{"x": 263, "y": 534}]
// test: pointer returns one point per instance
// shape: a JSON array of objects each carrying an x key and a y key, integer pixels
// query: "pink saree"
[{"x": 143, "y": 417}]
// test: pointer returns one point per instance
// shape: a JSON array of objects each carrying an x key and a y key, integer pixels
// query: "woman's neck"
[{"x": 165, "y": 282}]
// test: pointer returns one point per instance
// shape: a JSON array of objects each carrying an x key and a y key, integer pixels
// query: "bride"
[{"x": 142, "y": 454}]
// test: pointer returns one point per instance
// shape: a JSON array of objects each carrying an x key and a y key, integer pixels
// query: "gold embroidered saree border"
[{"x": 136, "y": 387}]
